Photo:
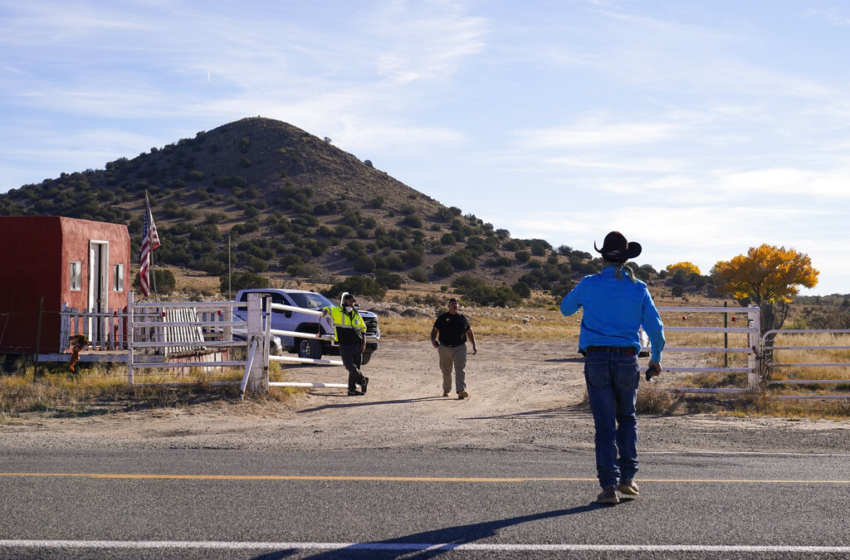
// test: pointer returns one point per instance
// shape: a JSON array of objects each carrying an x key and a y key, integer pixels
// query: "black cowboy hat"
[{"x": 617, "y": 249}]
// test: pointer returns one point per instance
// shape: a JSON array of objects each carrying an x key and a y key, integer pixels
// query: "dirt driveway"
[{"x": 524, "y": 396}]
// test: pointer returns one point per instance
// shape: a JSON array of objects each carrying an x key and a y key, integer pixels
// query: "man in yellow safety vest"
[{"x": 349, "y": 332}]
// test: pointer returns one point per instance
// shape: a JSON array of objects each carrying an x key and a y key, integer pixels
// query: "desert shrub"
[
  {"x": 463, "y": 260},
  {"x": 388, "y": 280},
  {"x": 243, "y": 281},
  {"x": 413, "y": 257},
  {"x": 443, "y": 268},
  {"x": 513, "y": 245},
  {"x": 412, "y": 220},
  {"x": 654, "y": 402},
  {"x": 364, "y": 264},
  {"x": 418, "y": 274},
  {"x": 522, "y": 289},
  {"x": 162, "y": 278},
  {"x": 477, "y": 291},
  {"x": 342, "y": 231},
  {"x": 394, "y": 262},
  {"x": 256, "y": 264},
  {"x": 538, "y": 247},
  {"x": 444, "y": 215},
  {"x": 291, "y": 259},
  {"x": 215, "y": 217},
  {"x": 357, "y": 285},
  {"x": 212, "y": 266}
]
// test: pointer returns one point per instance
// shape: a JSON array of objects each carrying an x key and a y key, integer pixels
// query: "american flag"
[{"x": 150, "y": 241}]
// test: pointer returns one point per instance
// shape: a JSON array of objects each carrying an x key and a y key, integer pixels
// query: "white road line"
[
  {"x": 746, "y": 453},
  {"x": 418, "y": 547}
]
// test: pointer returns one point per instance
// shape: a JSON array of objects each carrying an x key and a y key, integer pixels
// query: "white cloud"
[
  {"x": 772, "y": 182},
  {"x": 593, "y": 133},
  {"x": 426, "y": 40},
  {"x": 832, "y": 15}
]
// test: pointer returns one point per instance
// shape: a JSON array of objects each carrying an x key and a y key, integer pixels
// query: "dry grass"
[
  {"x": 101, "y": 390},
  {"x": 650, "y": 401},
  {"x": 812, "y": 357}
]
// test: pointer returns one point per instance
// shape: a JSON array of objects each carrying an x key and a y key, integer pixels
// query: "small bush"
[
  {"x": 243, "y": 281},
  {"x": 418, "y": 274},
  {"x": 413, "y": 221},
  {"x": 650, "y": 401},
  {"x": 357, "y": 285},
  {"x": 163, "y": 279}
]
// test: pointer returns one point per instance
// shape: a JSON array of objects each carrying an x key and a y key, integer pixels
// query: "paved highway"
[{"x": 382, "y": 504}]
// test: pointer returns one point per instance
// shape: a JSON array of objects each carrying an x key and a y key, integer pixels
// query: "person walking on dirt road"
[
  {"x": 453, "y": 329},
  {"x": 615, "y": 304},
  {"x": 349, "y": 332}
]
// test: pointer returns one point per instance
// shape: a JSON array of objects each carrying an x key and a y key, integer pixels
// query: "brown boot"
[
  {"x": 608, "y": 496},
  {"x": 628, "y": 488}
]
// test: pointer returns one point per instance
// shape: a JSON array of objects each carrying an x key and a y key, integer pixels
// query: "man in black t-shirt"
[{"x": 453, "y": 330}]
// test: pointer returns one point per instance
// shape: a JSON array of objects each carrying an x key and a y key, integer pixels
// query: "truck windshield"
[{"x": 310, "y": 300}]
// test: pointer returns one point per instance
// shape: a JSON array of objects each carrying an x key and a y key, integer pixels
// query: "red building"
[{"x": 81, "y": 263}]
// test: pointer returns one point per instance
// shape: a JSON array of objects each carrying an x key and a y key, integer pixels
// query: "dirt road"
[{"x": 524, "y": 396}]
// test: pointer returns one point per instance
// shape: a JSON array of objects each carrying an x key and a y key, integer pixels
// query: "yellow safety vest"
[{"x": 342, "y": 320}]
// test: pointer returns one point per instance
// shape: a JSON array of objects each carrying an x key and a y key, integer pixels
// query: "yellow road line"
[{"x": 119, "y": 476}]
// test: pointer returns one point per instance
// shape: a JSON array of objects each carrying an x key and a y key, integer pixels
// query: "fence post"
[
  {"x": 754, "y": 359},
  {"x": 64, "y": 328},
  {"x": 258, "y": 377},
  {"x": 228, "y": 317},
  {"x": 131, "y": 333}
]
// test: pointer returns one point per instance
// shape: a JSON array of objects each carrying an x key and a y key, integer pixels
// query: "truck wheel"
[
  {"x": 367, "y": 355},
  {"x": 310, "y": 349}
]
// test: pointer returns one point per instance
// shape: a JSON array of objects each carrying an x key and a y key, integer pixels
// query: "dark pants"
[
  {"x": 351, "y": 359},
  {"x": 612, "y": 384}
]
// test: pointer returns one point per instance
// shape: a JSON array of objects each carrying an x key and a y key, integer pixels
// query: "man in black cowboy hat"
[{"x": 615, "y": 306}]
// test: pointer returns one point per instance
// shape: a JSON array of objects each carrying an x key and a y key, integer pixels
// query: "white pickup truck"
[{"x": 302, "y": 322}]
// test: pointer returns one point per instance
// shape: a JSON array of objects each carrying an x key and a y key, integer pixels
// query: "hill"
[{"x": 295, "y": 206}]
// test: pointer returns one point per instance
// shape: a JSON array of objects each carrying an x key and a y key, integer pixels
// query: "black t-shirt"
[{"x": 452, "y": 328}]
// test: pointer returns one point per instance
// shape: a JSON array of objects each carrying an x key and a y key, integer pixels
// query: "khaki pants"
[{"x": 453, "y": 357}]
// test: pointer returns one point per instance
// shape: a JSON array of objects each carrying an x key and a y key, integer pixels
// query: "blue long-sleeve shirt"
[{"x": 614, "y": 310}]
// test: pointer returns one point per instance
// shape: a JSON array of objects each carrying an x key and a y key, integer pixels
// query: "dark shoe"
[
  {"x": 608, "y": 496},
  {"x": 355, "y": 394},
  {"x": 445, "y": 394},
  {"x": 628, "y": 488},
  {"x": 462, "y": 395},
  {"x": 364, "y": 384}
]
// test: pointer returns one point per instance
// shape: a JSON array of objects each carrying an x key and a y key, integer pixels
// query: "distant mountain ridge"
[{"x": 294, "y": 204}]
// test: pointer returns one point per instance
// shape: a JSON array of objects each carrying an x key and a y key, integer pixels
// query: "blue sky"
[{"x": 699, "y": 129}]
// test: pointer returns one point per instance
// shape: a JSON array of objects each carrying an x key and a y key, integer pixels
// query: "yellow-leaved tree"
[
  {"x": 685, "y": 267},
  {"x": 768, "y": 276}
]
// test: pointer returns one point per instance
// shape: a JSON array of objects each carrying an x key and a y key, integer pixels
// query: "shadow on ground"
[{"x": 419, "y": 545}]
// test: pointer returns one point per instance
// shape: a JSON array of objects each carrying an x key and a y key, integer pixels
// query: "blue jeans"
[{"x": 612, "y": 383}]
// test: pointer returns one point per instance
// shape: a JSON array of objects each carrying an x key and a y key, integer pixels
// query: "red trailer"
[{"x": 81, "y": 263}]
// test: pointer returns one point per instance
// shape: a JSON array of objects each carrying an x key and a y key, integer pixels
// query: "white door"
[{"x": 98, "y": 287}]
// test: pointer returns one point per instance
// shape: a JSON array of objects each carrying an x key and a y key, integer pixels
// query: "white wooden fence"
[{"x": 159, "y": 335}]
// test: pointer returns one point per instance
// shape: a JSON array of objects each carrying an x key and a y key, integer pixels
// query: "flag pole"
[{"x": 150, "y": 255}]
